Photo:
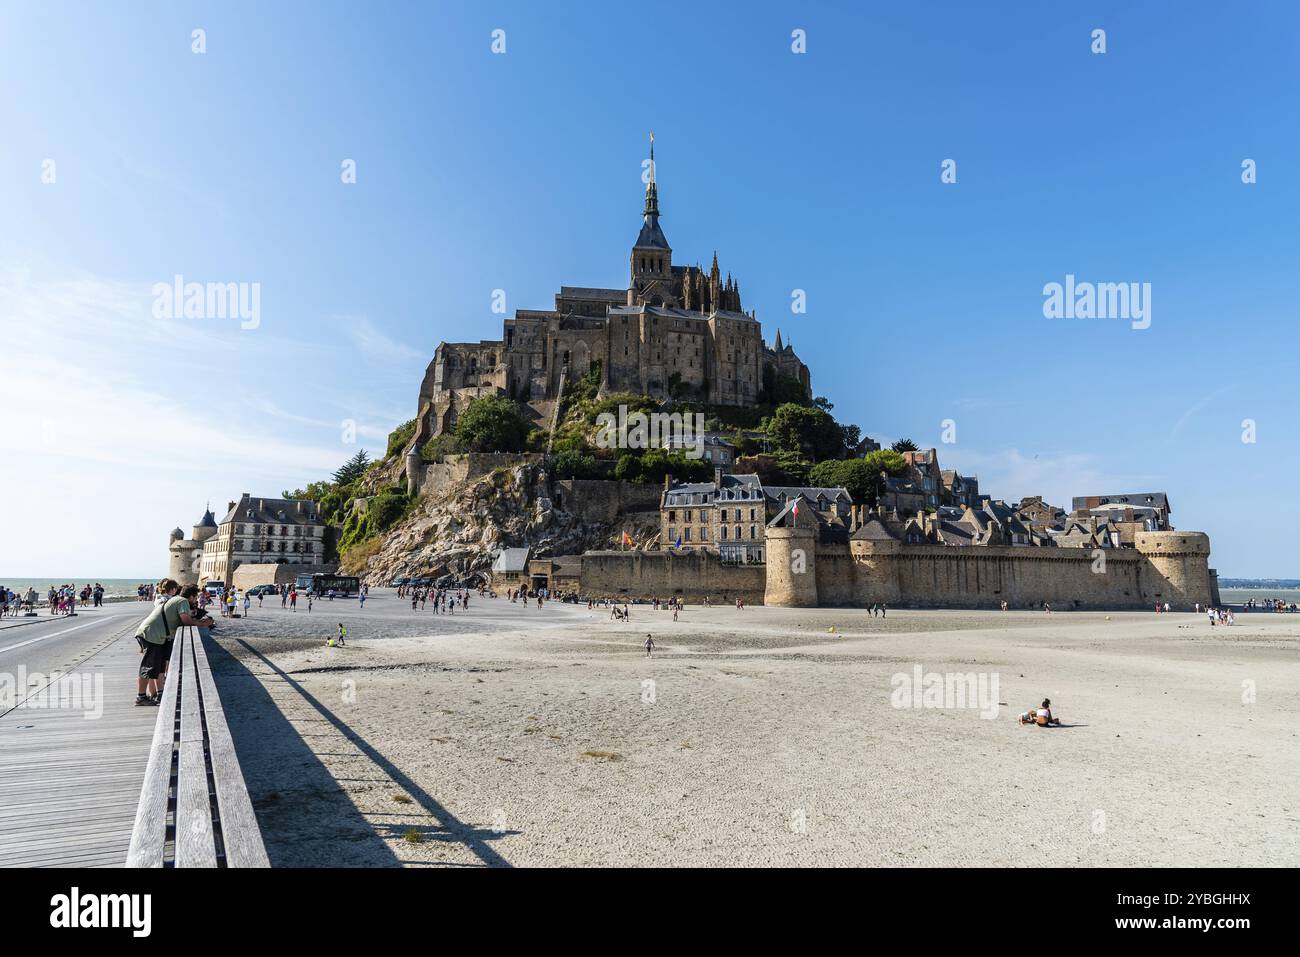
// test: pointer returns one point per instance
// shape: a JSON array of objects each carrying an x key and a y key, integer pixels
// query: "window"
[
  {"x": 737, "y": 533},
  {"x": 753, "y": 532},
  {"x": 672, "y": 534},
  {"x": 672, "y": 515},
  {"x": 722, "y": 533},
  {"x": 704, "y": 533},
  {"x": 687, "y": 536}
]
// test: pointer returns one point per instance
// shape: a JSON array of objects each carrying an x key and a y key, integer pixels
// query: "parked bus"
[{"x": 340, "y": 586}]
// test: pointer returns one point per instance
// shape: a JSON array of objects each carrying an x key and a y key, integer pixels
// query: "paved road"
[
  {"x": 51, "y": 643},
  {"x": 71, "y": 761}
]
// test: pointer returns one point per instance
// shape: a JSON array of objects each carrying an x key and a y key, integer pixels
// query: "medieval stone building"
[{"x": 676, "y": 331}]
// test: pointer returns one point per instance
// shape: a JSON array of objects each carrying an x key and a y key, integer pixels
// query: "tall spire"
[
  {"x": 651, "y": 235},
  {"x": 651, "y": 187}
]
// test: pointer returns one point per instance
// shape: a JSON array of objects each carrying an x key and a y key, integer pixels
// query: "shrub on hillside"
[{"x": 398, "y": 438}]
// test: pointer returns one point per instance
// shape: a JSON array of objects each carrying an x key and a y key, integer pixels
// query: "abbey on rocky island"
[{"x": 674, "y": 332}]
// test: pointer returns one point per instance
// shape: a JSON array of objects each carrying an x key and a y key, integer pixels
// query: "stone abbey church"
[{"x": 675, "y": 331}]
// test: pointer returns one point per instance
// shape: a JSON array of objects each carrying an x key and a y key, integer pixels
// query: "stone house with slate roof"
[
  {"x": 264, "y": 531},
  {"x": 729, "y": 515}
]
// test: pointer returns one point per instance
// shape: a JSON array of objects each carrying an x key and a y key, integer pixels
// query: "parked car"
[
  {"x": 262, "y": 590},
  {"x": 214, "y": 588},
  {"x": 398, "y": 582},
  {"x": 421, "y": 582}
]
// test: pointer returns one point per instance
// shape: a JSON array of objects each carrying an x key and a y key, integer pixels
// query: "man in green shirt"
[{"x": 155, "y": 634}]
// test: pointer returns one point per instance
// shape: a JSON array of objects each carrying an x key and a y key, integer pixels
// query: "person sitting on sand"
[{"x": 1044, "y": 717}]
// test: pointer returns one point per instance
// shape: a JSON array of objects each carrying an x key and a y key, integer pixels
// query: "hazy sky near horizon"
[{"x": 521, "y": 171}]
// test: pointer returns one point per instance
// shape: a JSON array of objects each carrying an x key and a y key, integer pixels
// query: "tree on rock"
[
  {"x": 353, "y": 468},
  {"x": 492, "y": 423}
]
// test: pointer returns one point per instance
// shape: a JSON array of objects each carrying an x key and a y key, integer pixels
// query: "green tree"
[
  {"x": 572, "y": 464},
  {"x": 854, "y": 475},
  {"x": 885, "y": 461},
  {"x": 791, "y": 469},
  {"x": 353, "y": 468},
  {"x": 492, "y": 423},
  {"x": 904, "y": 445},
  {"x": 807, "y": 431}
]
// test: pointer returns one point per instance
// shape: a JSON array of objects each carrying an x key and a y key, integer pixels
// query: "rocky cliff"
[{"x": 464, "y": 530}]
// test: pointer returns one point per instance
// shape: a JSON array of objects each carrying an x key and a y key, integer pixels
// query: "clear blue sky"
[{"x": 522, "y": 172}]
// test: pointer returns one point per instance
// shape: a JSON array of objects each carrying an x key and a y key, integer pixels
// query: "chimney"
[
  {"x": 717, "y": 476},
  {"x": 299, "y": 508},
  {"x": 230, "y": 506},
  {"x": 668, "y": 481}
]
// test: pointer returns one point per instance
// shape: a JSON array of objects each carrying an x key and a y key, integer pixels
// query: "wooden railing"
[{"x": 194, "y": 809}]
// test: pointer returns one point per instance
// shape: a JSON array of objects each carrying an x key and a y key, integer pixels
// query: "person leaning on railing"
[{"x": 155, "y": 635}]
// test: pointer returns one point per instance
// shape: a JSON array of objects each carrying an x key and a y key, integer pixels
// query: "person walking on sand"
[
  {"x": 248, "y": 603},
  {"x": 310, "y": 598},
  {"x": 343, "y": 635},
  {"x": 649, "y": 646},
  {"x": 293, "y": 599}
]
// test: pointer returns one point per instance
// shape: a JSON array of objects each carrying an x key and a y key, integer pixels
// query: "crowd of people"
[
  {"x": 60, "y": 599},
  {"x": 13, "y": 603},
  {"x": 1277, "y": 605},
  {"x": 445, "y": 600}
]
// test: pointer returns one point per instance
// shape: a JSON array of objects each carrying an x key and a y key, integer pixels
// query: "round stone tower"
[
  {"x": 875, "y": 563},
  {"x": 178, "y": 553},
  {"x": 791, "y": 567},
  {"x": 1177, "y": 568}
]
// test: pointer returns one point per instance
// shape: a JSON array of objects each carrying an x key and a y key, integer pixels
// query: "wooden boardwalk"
[{"x": 69, "y": 785}]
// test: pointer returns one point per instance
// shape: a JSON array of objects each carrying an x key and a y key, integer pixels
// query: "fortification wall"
[
  {"x": 837, "y": 576},
  {"x": 597, "y": 501},
  {"x": 691, "y": 575},
  {"x": 937, "y": 576},
  {"x": 438, "y": 478},
  {"x": 1162, "y": 567}
]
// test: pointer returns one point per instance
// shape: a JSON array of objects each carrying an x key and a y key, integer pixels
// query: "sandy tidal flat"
[{"x": 518, "y": 736}]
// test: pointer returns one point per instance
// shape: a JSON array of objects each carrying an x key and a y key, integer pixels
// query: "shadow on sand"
[{"x": 306, "y": 817}]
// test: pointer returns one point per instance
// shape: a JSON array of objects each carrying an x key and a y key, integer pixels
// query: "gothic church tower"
[{"x": 652, "y": 257}]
